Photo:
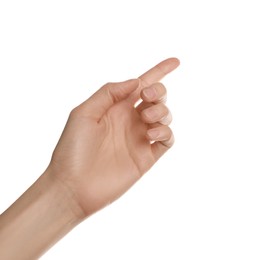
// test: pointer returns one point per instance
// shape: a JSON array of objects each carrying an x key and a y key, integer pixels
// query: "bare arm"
[{"x": 106, "y": 146}]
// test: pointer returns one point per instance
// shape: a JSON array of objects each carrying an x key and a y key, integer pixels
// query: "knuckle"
[
  {"x": 172, "y": 141},
  {"x": 166, "y": 120},
  {"x": 170, "y": 133},
  {"x": 172, "y": 138},
  {"x": 168, "y": 140},
  {"x": 160, "y": 88},
  {"x": 164, "y": 109},
  {"x": 75, "y": 111},
  {"x": 108, "y": 84}
]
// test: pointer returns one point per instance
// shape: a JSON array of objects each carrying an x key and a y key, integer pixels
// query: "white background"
[{"x": 200, "y": 200}]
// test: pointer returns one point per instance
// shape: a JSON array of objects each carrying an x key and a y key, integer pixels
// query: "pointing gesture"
[{"x": 108, "y": 143}]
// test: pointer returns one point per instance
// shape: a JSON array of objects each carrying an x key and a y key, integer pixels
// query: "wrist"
[
  {"x": 64, "y": 197},
  {"x": 38, "y": 219}
]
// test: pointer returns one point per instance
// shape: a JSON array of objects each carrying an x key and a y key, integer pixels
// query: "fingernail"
[
  {"x": 149, "y": 93},
  {"x": 153, "y": 134},
  {"x": 151, "y": 114}
]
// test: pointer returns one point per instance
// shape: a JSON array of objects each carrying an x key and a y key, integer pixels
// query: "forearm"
[
  {"x": 37, "y": 220},
  {"x": 107, "y": 145}
]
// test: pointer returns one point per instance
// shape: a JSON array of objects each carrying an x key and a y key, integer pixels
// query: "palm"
[
  {"x": 104, "y": 150},
  {"x": 128, "y": 135},
  {"x": 121, "y": 155},
  {"x": 131, "y": 151}
]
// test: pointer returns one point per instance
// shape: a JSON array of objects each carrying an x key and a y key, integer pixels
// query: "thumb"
[{"x": 111, "y": 93}]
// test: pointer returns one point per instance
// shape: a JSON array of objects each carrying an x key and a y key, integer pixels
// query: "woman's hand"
[
  {"x": 109, "y": 143},
  {"x": 106, "y": 146}
]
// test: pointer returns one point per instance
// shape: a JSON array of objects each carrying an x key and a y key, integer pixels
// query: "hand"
[
  {"x": 106, "y": 146},
  {"x": 108, "y": 143}
]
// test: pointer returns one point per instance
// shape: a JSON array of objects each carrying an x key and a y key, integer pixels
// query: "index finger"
[
  {"x": 154, "y": 75},
  {"x": 159, "y": 71}
]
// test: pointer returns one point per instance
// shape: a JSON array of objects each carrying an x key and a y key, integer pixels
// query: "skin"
[{"x": 107, "y": 145}]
